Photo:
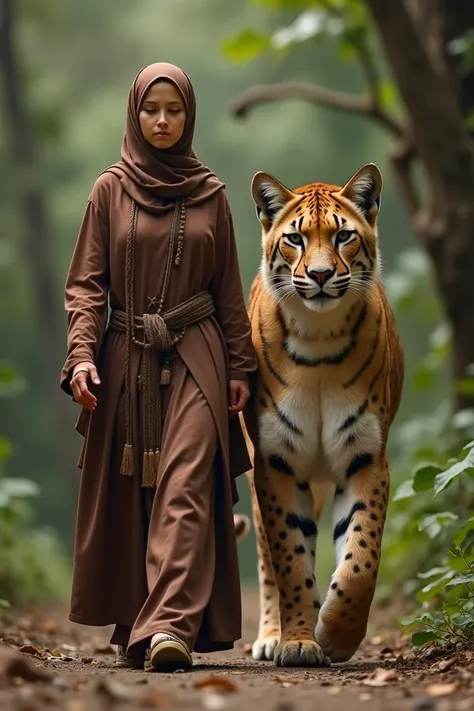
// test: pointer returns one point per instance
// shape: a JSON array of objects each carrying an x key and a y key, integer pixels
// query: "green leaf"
[
  {"x": 434, "y": 588},
  {"x": 425, "y": 475},
  {"x": 388, "y": 94},
  {"x": 247, "y": 45},
  {"x": 404, "y": 491},
  {"x": 463, "y": 531},
  {"x": 16, "y": 489},
  {"x": 420, "y": 638},
  {"x": 4, "y": 603},
  {"x": 447, "y": 477},
  {"x": 440, "y": 570},
  {"x": 461, "y": 580},
  {"x": 433, "y": 524}
]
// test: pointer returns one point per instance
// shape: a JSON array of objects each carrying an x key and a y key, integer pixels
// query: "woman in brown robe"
[{"x": 160, "y": 377}]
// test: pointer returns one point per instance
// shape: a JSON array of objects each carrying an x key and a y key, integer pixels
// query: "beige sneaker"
[
  {"x": 121, "y": 659},
  {"x": 167, "y": 654}
]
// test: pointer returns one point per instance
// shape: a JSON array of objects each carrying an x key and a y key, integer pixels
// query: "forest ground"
[{"x": 79, "y": 674}]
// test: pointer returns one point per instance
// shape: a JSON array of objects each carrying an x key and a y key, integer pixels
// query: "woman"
[{"x": 160, "y": 381}]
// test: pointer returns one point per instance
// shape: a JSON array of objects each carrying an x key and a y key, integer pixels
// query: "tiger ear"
[
  {"x": 270, "y": 197},
  {"x": 364, "y": 190}
]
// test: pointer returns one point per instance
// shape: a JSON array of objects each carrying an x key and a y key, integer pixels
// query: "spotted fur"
[{"x": 326, "y": 392}]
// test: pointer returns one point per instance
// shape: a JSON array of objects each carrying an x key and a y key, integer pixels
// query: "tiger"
[{"x": 327, "y": 388}]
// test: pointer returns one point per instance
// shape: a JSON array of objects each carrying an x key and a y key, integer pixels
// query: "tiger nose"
[{"x": 321, "y": 276}]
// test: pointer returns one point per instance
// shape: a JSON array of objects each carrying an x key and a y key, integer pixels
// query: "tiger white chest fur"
[{"x": 320, "y": 430}]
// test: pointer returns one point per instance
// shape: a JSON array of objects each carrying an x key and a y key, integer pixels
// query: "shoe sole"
[
  {"x": 168, "y": 656},
  {"x": 124, "y": 664}
]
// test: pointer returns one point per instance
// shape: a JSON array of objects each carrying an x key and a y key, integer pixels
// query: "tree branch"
[
  {"x": 340, "y": 101},
  {"x": 402, "y": 158},
  {"x": 441, "y": 140}
]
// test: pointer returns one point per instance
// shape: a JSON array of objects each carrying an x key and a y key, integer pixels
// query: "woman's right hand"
[{"x": 82, "y": 394}]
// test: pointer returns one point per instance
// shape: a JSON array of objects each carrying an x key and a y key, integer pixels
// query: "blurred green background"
[{"x": 77, "y": 62}]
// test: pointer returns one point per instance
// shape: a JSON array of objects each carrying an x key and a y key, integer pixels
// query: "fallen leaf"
[
  {"x": 50, "y": 626},
  {"x": 217, "y": 683},
  {"x": 286, "y": 680},
  {"x": 334, "y": 690},
  {"x": 381, "y": 677},
  {"x": 14, "y": 665},
  {"x": 446, "y": 664},
  {"x": 441, "y": 689},
  {"x": 28, "y": 649},
  {"x": 87, "y": 660}
]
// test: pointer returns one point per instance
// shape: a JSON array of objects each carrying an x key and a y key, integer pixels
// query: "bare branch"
[
  {"x": 402, "y": 158},
  {"x": 314, "y": 95}
]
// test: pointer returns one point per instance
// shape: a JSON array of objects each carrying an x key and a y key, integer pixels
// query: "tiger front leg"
[
  {"x": 359, "y": 517},
  {"x": 286, "y": 506},
  {"x": 269, "y": 623}
]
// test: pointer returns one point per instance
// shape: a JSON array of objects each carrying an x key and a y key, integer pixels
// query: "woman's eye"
[
  {"x": 344, "y": 235},
  {"x": 294, "y": 238}
]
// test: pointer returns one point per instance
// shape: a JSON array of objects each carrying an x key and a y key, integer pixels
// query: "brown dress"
[{"x": 164, "y": 559}]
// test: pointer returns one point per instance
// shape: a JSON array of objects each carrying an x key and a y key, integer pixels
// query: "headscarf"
[{"x": 154, "y": 177}]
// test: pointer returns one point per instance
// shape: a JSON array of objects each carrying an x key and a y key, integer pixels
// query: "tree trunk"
[
  {"x": 31, "y": 200},
  {"x": 436, "y": 104}
]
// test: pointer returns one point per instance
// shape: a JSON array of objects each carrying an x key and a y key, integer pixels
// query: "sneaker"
[
  {"x": 168, "y": 654},
  {"x": 121, "y": 659}
]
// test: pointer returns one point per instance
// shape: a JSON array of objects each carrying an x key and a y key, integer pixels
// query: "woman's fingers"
[{"x": 79, "y": 387}]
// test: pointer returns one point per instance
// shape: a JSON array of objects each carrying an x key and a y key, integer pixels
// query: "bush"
[
  {"x": 429, "y": 546},
  {"x": 33, "y": 565}
]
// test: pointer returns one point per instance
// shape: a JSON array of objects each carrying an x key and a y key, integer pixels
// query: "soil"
[{"x": 77, "y": 673}]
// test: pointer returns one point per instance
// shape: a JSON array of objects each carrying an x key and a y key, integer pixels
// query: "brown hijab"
[{"x": 155, "y": 178}]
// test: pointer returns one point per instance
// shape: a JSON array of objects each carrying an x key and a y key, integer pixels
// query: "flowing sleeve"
[
  {"x": 86, "y": 291},
  {"x": 226, "y": 289}
]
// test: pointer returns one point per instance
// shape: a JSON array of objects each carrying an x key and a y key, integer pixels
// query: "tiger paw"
[
  {"x": 339, "y": 641},
  {"x": 263, "y": 649},
  {"x": 300, "y": 653}
]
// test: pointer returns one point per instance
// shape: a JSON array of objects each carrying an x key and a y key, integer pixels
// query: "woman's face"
[{"x": 162, "y": 115}]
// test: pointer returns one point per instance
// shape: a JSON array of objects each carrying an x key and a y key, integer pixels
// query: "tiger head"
[{"x": 320, "y": 241}]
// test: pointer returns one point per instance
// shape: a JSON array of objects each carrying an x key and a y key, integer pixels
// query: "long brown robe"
[{"x": 168, "y": 564}]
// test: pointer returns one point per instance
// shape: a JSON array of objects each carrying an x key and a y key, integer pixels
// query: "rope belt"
[{"x": 157, "y": 344}]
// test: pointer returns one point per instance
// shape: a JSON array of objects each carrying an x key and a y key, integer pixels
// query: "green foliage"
[
  {"x": 32, "y": 563},
  {"x": 429, "y": 547}
]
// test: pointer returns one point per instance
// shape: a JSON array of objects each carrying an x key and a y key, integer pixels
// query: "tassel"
[
  {"x": 165, "y": 376},
  {"x": 127, "y": 461},
  {"x": 157, "y": 462},
  {"x": 148, "y": 474}
]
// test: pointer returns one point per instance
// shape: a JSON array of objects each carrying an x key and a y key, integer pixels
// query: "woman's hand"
[
  {"x": 81, "y": 392},
  {"x": 239, "y": 393}
]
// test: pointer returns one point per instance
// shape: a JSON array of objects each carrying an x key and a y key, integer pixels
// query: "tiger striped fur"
[{"x": 327, "y": 389}]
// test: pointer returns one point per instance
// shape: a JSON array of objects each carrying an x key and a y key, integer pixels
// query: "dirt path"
[{"x": 384, "y": 675}]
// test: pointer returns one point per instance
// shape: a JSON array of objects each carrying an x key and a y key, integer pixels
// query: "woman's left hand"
[{"x": 239, "y": 393}]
